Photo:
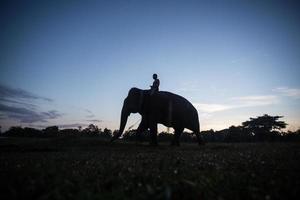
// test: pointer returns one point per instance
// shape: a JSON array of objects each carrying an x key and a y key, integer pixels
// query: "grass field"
[{"x": 89, "y": 168}]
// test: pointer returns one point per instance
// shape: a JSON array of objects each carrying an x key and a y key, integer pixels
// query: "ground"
[{"x": 89, "y": 168}]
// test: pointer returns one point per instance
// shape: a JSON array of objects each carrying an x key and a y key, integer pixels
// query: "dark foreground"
[{"x": 88, "y": 168}]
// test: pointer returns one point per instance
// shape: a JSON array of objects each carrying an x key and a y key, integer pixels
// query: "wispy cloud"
[
  {"x": 252, "y": 101},
  {"x": 20, "y": 105},
  {"x": 94, "y": 120},
  {"x": 238, "y": 102},
  {"x": 25, "y": 115},
  {"x": 61, "y": 126},
  {"x": 90, "y": 113},
  {"x": 75, "y": 125},
  {"x": 8, "y": 101},
  {"x": 209, "y": 108},
  {"x": 290, "y": 92},
  {"x": 16, "y": 93}
]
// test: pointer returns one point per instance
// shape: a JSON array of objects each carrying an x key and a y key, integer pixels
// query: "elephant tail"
[
  {"x": 196, "y": 129},
  {"x": 198, "y": 134}
]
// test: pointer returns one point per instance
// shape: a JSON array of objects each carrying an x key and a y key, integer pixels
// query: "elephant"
[{"x": 161, "y": 107}]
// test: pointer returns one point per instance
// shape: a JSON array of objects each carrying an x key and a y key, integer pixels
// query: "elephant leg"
[
  {"x": 176, "y": 137},
  {"x": 142, "y": 127},
  {"x": 153, "y": 133}
]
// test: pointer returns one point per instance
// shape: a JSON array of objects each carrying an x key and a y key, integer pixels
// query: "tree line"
[{"x": 259, "y": 129}]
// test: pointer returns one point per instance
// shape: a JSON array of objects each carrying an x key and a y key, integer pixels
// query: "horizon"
[
  {"x": 73, "y": 63},
  {"x": 80, "y": 128}
]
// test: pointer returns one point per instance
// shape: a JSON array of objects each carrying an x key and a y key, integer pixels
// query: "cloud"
[
  {"x": 26, "y": 115},
  {"x": 238, "y": 102},
  {"x": 290, "y": 92},
  {"x": 90, "y": 113},
  {"x": 94, "y": 120},
  {"x": 61, "y": 126},
  {"x": 52, "y": 114},
  {"x": 252, "y": 101},
  {"x": 11, "y": 101},
  {"x": 75, "y": 125},
  {"x": 209, "y": 108},
  {"x": 20, "y": 105},
  {"x": 7, "y": 92}
]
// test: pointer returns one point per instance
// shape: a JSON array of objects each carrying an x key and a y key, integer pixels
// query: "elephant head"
[{"x": 132, "y": 104}]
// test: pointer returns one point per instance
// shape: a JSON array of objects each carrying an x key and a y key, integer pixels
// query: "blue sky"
[{"x": 72, "y": 63}]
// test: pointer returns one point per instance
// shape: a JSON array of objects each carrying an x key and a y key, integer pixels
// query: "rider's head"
[{"x": 154, "y": 76}]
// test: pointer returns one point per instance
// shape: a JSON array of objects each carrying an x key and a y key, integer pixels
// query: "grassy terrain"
[{"x": 88, "y": 168}]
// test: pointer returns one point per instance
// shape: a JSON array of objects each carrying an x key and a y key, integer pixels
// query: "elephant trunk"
[{"x": 124, "y": 117}]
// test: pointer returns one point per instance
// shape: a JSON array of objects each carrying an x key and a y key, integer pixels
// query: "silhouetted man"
[{"x": 155, "y": 85}]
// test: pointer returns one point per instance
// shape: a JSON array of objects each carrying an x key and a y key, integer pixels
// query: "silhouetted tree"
[
  {"x": 91, "y": 130},
  {"x": 69, "y": 132},
  {"x": 238, "y": 134},
  {"x": 207, "y": 134},
  {"x": 165, "y": 137},
  {"x": 32, "y": 132},
  {"x": 234, "y": 134},
  {"x": 262, "y": 126},
  {"x": 106, "y": 133},
  {"x": 291, "y": 136},
  {"x": 132, "y": 136},
  {"x": 15, "y": 131},
  {"x": 129, "y": 135},
  {"x": 51, "y": 131},
  {"x": 187, "y": 137}
]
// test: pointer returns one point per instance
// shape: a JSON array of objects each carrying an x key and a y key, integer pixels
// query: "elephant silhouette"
[{"x": 161, "y": 107}]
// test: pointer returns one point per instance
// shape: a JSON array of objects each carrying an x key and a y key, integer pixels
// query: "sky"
[{"x": 72, "y": 63}]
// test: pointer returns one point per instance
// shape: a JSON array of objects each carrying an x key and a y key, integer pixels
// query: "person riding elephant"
[{"x": 155, "y": 85}]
